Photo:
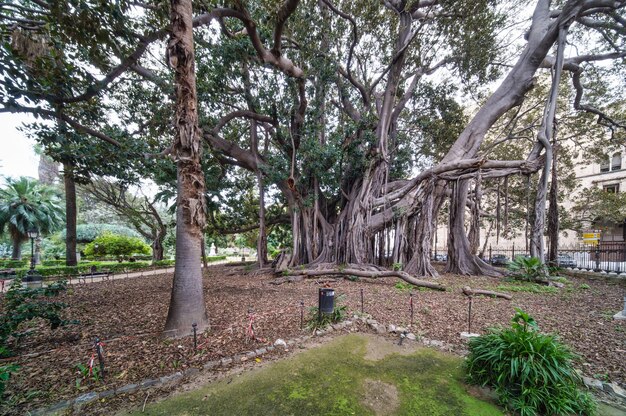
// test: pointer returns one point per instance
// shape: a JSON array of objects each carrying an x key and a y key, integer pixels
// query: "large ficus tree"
[{"x": 335, "y": 107}]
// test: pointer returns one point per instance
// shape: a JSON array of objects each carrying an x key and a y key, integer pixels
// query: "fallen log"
[
  {"x": 367, "y": 273},
  {"x": 468, "y": 291}
]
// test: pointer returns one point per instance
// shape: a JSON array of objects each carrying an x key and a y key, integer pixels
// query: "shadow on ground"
[{"x": 352, "y": 375}]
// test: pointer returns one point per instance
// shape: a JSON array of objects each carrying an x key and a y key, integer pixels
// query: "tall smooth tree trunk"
[
  {"x": 16, "y": 253},
  {"x": 544, "y": 137},
  {"x": 261, "y": 248},
  {"x": 261, "y": 244},
  {"x": 70, "y": 215},
  {"x": 553, "y": 213},
  {"x": 187, "y": 304}
]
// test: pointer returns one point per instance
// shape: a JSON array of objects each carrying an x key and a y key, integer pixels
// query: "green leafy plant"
[
  {"x": 84, "y": 374},
  {"x": 315, "y": 321},
  {"x": 5, "y": 374},
  {"x": 527, "y": 268},
  {"x": 116, "y": 245},
  {"x": 24, "y": 304},
  {"x": 403, "y": 286},
  {"x": 531, "y": 372},
  {"x": 397, "y": 266}
]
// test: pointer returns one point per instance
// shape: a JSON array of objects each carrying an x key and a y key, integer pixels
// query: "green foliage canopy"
[{"x": 116, "y": 245}]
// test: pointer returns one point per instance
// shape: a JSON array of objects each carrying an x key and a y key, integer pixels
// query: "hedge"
[
  {"x": 13, "y": 264},
  {"x": 210, "y": 259},
  {"x": 66, "y": 271}
]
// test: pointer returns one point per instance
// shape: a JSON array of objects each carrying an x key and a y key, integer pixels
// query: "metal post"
[
  {"x": 411, "y": 306},
  {"x": 362, "y": 300},
  {"x": 513, "y": 252},
  {"x": 32, "y": 254},
  {"x": 490, "y": 253},
  {"x": 301, "y": 314},
  {"x": 195, "y": 337},
  {"x": 469, "y": 317},
  {"x": 98, "y": 347}
]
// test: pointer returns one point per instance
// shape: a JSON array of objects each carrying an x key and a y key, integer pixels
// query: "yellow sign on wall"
[{"x": 591, "y": 238}]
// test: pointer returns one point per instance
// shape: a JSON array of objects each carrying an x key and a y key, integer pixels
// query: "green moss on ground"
[{"x": 331, "y": 380}]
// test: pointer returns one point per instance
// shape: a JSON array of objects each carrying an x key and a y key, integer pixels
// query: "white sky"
[{"x": 17, "y": 157}]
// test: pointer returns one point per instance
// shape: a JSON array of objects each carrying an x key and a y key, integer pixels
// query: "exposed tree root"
[
  {"x": 364, "y": 271},
  {"x": 468, "y": 291}
]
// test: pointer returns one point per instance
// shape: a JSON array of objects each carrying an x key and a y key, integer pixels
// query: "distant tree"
[
  {"x": 26, "y": 204},
  {"x": 137, "y": 210}
]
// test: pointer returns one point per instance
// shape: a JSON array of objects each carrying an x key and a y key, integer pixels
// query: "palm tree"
[{"x": 26, "y": 204}]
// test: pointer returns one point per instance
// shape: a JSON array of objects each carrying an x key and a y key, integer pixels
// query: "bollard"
[
  {"x": 301, "y": 314},
  {"x": 195, "y": 338},
  {"x": 326, "y": 302}
]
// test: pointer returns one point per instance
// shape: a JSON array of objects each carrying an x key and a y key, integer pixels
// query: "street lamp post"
[{"x": 32, "y": 275}]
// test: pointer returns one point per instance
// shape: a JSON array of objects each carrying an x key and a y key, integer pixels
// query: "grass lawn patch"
[{"x": 339, "y": 379}]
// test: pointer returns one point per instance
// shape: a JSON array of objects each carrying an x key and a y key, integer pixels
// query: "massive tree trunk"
[
  {"x": 461, "y": 260},
  {"x": 187, "y": 304},
  {"x": 70, "y": 215}
]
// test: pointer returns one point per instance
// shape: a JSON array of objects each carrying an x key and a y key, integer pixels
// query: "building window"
[
  {"x": 612, "y": 189},
  {"x": 616, "y": 161},
  {"x": 605, "y": 166}
]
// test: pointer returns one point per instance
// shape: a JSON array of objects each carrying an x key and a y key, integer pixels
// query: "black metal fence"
[{"x": 608, "y": 257}]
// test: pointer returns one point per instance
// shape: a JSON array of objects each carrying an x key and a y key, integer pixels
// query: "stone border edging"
[{"x": 611, "y": 389}]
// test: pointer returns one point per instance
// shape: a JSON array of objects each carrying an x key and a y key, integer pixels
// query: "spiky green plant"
[
  {"x": 527, "y": 268},
  {"x": 532, "y": 373},
  {"x": 26, "y": 204}
]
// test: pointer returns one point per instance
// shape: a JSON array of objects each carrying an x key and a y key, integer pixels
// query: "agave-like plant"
[
  {"x": 26, "y": 204},
  {"x": 528, "y": 268}
]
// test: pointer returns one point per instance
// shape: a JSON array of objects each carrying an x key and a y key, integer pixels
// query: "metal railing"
[{"x": 608, "y": 257}]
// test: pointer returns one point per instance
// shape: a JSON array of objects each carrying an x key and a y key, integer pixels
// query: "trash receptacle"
[{"x": 326, "y": 301}]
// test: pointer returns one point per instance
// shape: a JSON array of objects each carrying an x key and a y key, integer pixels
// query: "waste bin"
[{"x": 326, "y": 301}]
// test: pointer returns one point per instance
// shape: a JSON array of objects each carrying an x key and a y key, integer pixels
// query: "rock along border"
[{"x": 176, "y": 378}]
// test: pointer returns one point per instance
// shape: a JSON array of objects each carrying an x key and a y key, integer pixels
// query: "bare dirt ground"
[{"x": 129, "y": 314}]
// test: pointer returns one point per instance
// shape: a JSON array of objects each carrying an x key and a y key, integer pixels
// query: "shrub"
[
  {"x": 531, "y": 372},
  {"x": 24, "y": 304},
  {"x": 14, "y": 264},
  {"x": 164, "y": 263},
  {"x": 527, "y": 268},
  {"x": 116, "y": 245}
]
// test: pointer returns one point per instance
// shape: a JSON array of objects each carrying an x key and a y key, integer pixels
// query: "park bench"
[{"x": 93, "y": 273}]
